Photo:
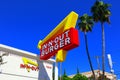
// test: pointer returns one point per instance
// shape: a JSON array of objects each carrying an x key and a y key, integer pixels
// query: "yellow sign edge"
[{"x": 67, "y": 23}]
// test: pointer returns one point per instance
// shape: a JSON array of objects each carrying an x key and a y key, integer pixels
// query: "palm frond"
[
  {"x": 86, "y": 23},
  {"x": 100, "y": 11}
]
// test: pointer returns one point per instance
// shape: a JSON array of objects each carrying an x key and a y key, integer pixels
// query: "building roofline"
[
  {"x": 20, "y": 52},
  {"x": 90, "y": 73}
]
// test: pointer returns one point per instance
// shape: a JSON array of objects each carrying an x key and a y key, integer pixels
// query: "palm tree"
[
  {"x": 100, "y": 12},
  {"x": 85, "y": 25}
]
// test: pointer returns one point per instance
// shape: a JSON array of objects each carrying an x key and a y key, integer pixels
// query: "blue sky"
[{"x": 24, "y": 22}]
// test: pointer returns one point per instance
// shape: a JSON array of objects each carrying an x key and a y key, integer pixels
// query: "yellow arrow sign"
[
  {"x": 67, "y": 23},
  {"x": 27, "y": 61}
]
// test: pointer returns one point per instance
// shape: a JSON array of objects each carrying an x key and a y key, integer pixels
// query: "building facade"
[
  {"x": 98, "y": 73},
  {"x": 23, "y": 65}
]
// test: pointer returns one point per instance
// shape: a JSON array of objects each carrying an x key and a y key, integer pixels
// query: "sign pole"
[{"x": 56, "y": 71}]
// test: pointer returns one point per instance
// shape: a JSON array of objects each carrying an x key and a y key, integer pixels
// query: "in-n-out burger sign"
[
  {"x": 66, "y": 41},
  {"x": 61, "y": 39},
  {"x": 29, "y": 65}
]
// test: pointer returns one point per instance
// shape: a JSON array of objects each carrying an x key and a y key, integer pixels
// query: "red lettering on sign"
[
  {"x": 34, "y": 68},
  {"x": 49, "y": 67},
  {"x": 66, "y": 41}
]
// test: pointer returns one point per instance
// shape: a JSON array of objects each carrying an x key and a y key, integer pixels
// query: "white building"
[{"x": 17, "y": 64}]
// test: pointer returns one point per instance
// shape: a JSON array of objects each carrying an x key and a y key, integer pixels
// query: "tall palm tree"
[
  {"x": 85, "y": 25},
  {"x": 100, "y": 12}
]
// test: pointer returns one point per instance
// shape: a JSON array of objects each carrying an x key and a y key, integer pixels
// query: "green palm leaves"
[
  {"x": 101, "y": 12},
  {"x": 86, "y": 23}
]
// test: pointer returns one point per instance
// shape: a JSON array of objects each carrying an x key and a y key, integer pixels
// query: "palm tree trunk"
[
  {"x": 89, "y": 55},
  {"x": 103, "y": 50}
]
